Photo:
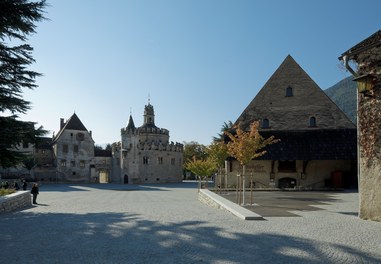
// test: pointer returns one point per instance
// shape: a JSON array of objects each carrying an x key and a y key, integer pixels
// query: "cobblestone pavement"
[{"x": 167, "y": 224}]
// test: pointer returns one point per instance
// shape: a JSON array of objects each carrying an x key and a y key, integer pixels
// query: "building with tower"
[{"x": 145, "y": 154}]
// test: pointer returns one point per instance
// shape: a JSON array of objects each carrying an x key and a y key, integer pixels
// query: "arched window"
[
  {"x": 265, "y": 123},
  {"x": 289, "y": 92},
  {"x": 312, "y": 121}
]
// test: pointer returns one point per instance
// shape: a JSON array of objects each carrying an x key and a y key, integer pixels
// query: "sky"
[{"x": 198, "y": 62}]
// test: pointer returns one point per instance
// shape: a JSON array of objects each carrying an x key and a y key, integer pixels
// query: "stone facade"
[
  {"x": 265, "y": 174},
  {"x": 144, "y": 155},
  {"x": 367, "y": 56},
  {"x": 73, "y": 148},
  {"x": 317, "y": 146}
]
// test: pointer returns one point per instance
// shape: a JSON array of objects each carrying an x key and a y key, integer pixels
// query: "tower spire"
[{"x": 149, "y": 115}]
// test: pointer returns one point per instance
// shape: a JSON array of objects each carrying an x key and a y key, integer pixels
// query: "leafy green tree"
[
  {"x": 29, "y": 163},
  {"x": 17, "y": 22},
  {"x": 193, "y": 150},
  {"x": 108, "y": 147},
  {"x": 218, "y": 152},
  {"x": 226, "y": 127},
  {"x": 98, "y": 147}
]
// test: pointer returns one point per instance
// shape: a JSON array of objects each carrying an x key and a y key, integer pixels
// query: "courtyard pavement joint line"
[{"x": 234, "y": 208}]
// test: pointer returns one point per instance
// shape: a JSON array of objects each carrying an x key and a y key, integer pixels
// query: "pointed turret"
[{"x": 131, "y": 125}]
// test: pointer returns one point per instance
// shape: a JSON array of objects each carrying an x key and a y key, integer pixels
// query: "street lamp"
[{"x": 365, "y": 83}]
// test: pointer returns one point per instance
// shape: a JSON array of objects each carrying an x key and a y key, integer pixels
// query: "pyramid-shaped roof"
[{"x": 289, "y": 100}]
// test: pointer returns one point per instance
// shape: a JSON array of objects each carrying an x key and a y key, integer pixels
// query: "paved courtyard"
[
  {"x": 167, "y": 224},
  {"x": 284, "y": 203}
]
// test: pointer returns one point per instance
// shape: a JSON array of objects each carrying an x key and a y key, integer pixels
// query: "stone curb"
[
  {"x": 214, "y": 200},
  {"x": 15, "y": 201}
]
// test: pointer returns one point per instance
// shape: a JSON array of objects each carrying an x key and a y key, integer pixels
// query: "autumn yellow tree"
[
  {"x": 247, "y": 145},
  {"x": 201, "y": 168}
]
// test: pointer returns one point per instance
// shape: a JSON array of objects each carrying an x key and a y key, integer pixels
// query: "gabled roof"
[
  {"x": 368, "y": 43},
  {"x": 73, "y": 123},
  {"x": 290, "y": 113}
]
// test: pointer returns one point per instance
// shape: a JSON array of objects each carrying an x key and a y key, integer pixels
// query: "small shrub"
[{"x": 4, "y": 192}]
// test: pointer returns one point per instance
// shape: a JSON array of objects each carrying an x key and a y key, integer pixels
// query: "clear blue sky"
[{"x": 201, "y": 61}]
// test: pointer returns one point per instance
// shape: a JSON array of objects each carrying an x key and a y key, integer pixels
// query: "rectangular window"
[
  {"x": 65, "y": 148},
  {"x": 160, "y": 160},
  {"x": 287, "y": 166},
  {"x": 25, "y": 145},
  {"x": 63, "y": 163},
  {"x": 145, "y": 160},
  {"x": 289, "y": 92},
  {"x": 173, "y": 160},
  {"x": 75, "y": 148},
  {"x": 82, "y": 163},
  {"x": 72, "y": 163}
]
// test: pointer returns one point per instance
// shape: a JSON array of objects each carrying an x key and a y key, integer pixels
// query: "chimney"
[
  {"x": 62, "y": 123},
  {"x": 91, "y": 133}
]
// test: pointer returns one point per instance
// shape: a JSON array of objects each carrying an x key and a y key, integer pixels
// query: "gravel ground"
[{"x": 107, "y": 223}]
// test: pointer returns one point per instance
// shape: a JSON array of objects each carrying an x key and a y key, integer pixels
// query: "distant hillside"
[{"x": 343, "y": 94}]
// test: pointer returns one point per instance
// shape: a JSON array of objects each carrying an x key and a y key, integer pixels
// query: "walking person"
[{"x": 34, "y": 192}]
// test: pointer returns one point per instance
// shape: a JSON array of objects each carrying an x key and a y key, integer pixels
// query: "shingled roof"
[
  {"x": 73, "y": 123},
  {"x": 289, "y": 99},
  {"x": 368, "y": 43}
]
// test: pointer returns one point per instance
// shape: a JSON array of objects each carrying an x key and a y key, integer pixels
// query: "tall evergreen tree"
[{"x": 17, "y": 21}]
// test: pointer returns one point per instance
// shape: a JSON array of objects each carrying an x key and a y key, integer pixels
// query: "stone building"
[
  {"x": 145, "y": 154},
  {"x": 73, "y": 149},
  {"x": 367, "y": 56},
  {"x": 317, "y": 145}
]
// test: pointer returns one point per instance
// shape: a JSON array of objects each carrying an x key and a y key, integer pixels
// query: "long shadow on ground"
[{"x": 128, "y": 238}]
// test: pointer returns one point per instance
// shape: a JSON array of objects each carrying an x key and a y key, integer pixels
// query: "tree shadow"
[{"x": 128, "y": 238}]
